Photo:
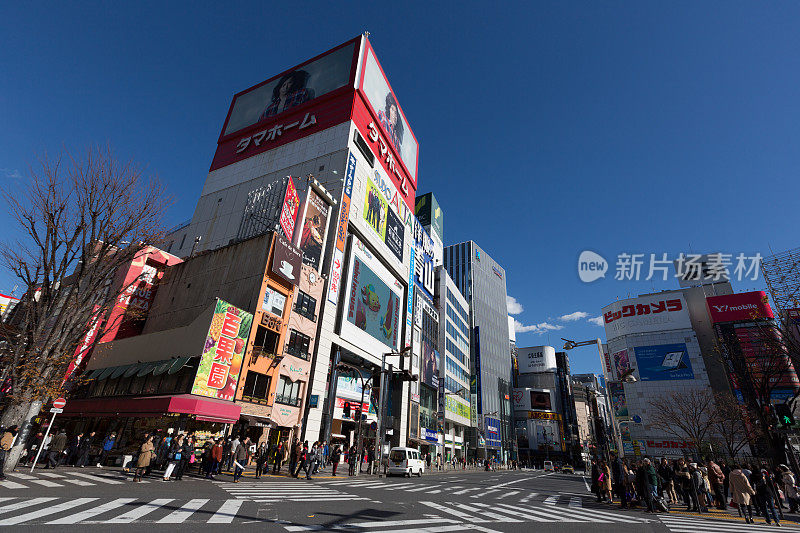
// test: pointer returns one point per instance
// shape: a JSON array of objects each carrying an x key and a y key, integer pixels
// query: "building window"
[
  {"x": 288, "y": 392},
  {"x": 256, "y": 387},
  {"x": 298, "y": 345},
  {"x": 265, "y": 344},
  {"x": 305, "y": 306}
]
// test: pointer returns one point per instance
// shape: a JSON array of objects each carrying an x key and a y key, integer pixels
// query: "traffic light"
[
  {"x": 346, "y": 409},
  {"x": 784, "y": 414}
]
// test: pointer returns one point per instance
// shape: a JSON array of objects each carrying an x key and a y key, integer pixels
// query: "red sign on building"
[
  {"x": 291, "y": 203},
  {"x": 737, "y": 307}
]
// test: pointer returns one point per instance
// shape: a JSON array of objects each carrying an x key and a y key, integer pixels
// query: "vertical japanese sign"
[
  {"x": 221, "y": 363},
  {"x": 291, "y": 203},
  {"x": 410, "y": 300},
  {"x": 341, "y": 232}
]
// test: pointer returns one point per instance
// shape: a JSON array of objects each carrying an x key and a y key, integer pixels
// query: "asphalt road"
[{"x": 75, "y": 500}]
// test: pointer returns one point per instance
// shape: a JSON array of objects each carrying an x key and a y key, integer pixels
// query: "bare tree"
[
  {"x": 685, "y": 415},
  {"x": 734, "y": 427},
  {"x": 81, "y": 219}
]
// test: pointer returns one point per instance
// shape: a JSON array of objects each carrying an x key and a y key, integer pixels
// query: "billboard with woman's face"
[
  {"x": 392, "y": 121},
  {"x": 292, "y": 89}
]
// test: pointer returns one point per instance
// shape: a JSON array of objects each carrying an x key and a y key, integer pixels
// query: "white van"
[
  {"x": 548, "y": 466},
  {"x": 405, "y": 461}
]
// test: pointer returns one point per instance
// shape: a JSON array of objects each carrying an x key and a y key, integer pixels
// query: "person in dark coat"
[
  {"x": 336, "y": 456},
  {"x": 57, "y": 446},
  {"x": 261, "y": 457},
  {"x": 84, "y": 449}
]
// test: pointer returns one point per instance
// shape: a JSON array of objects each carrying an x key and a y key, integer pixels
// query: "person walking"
[
  {"x": 741, "y": 493},
  {"x": 183, "y": 456},
  {"x": 294, "y": 454},
  {"x": 716, "y": 478},
  {"x": 667, "y": 482},
  {"x": 352, "y": 460},
  {"x": 651, "y": 484},
  {"x": 764, "y": 498},
  {"x": 216, "y": 459},
  {"x": 336, "y": 456},
  {"x": 789, "y": 487},
  {"x": 6, "y": 443},
  {"x": 56, "y": 451},
  {"x": 174, "y": 456},
  {"x": 231, "y": 457},
  {"x": 84, "y": 450},
  {"x": 146, "y": 454},
  {"x": 311, "y": 463},
  {"x": 280, "y": 456},
  {"x": 696, "y": 488},
  {"x": 108, "y": 444},
  {"x": 240, "y": 458},
  {"x": 261, "y": 456}
]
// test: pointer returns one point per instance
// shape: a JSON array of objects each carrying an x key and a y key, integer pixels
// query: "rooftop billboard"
[
  {"x": 742, "y": 306},
  {"x": 645, "y": 314}
]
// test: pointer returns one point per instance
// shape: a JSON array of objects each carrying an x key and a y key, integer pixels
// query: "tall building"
[
  {"x": 454, "y": 334},
  {"x": 482, "y": 281},
  {"x": 333, "y": 120}
]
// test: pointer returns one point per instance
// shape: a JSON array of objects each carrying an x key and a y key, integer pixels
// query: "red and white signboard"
[
  {"x": 646, "y": 314},
  {"x": 291, "y": 202},
  {"x": 59, "y": 403},
  {"x": 735, "y": 307}
]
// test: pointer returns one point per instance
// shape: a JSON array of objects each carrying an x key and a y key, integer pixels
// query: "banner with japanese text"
[{"x": 223, "y": 352}]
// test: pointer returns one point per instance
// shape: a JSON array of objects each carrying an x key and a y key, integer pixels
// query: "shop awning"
[
  {"x": 206, "y": 409},
  {"x": 139, "y": 369}
]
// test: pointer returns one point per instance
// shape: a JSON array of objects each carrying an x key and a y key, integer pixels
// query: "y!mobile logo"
[{"x": 591, "y": 266}]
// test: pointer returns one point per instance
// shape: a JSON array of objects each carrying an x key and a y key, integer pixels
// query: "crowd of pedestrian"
[{"x": 657, "y": 485}]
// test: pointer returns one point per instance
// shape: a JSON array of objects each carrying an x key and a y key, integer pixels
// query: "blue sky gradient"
[{"x": 545, "y": 129}]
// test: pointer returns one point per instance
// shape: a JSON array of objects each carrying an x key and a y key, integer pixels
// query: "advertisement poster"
[
  {"x": 218, "y": 372},
  {"x": 286, "y": 259},
  {"x": 337, "y": 263},
  {"x": 291, "y": 202},
  {"x": 314, "y": 229},
  {"x": 664, "y": 362},
  {"x": 621, "y": 362},
  {"x": 292, "y": 89},
  {"x": 430, "y": 365},
  {"x": 373, "y": 307},
  {"x": 619, "y": 404},
  {"x": 541, "y": 400},
  {"x": 429, "y": 213},
  {"x": 391, "y": 118},
  {"x": 383, "y": 220}
]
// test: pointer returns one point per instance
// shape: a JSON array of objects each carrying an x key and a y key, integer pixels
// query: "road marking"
[
  {"x": 484, "y": 493},
  {"x": 424, "y": 487},
  {"x": 454, "y": 512},
  {"x": 374, "y": 524},
  {"x": 6, "y": 484},
  {"x": 575, "y": 502},
  {"x": 511, "y": 482},
  {"x": 589, "y": 514},
  {"x": 551, "y": 500},
  {"x": 33, "y": 515},
  {"x": 139, "y": 512},
  {"x": 467, "y": 490},
  {"x": 88, "y": 513},
  {"x": 497, "y": 517},
  {"x": 50, "y": 474},
  {"x": 98, "y": 478},
  {"x": 23, "y": 504},
  {"x": 529, "y": 497},
  {"x": 21, "y": 476},
  {"x": 80, "y": 482},
  {"x": 45, "y": 483},
  {"x": 226, "y": 512},
  {"x": 542, "y": 516},
  {"x": 507, "y": 494},
  {"x": 179, "y": 516}
]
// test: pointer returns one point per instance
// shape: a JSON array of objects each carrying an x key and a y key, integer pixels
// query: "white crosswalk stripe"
[
  {"x": 100, "y": 479},
  {"x": 277, "y": 491},
  {"x": 89, "y": 511},
  {"x": 529, "y": 497},
  {"x": 691, "y": 524}
]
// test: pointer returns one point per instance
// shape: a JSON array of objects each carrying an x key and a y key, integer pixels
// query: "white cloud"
[
  {"x": 597, "y": 321},
  {"x": 572, "y": 317},
  {"x": 514, "y": 307},
  {"x": 536, "y": 328}
]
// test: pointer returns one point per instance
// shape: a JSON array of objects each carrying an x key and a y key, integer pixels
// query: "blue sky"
[{"x": 545, "y": 129}]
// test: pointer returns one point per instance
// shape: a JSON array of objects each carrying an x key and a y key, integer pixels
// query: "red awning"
[{"x": 206, "y": 409}]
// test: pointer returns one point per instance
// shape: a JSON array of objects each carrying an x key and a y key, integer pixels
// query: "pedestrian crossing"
[
  {"x": 68, "y": 511},
  {"x": 480, "y": 516},
  {"x": 692, "y": 524},
  {"x": 298, "y": 490},
  {"x": 20, "y": 480}
]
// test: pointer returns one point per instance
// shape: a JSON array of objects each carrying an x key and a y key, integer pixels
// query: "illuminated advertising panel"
[
  {"x": 619, "y": 405},
  {"x": 337, "y": 263},
  {"x": 424, "y": 276},
  {"x": 291, "y": 89},
  {"x": 373, "y": 312},
  {"x": 742, "y": 306},
  {"x": 430, "y": 364},
  {"x": 391, "y": 118},
  {"x": 313, "y": 230},
  {"x": 663, "y": 362},
  {"x": 301, "y": 101},
  {"x": 221, "y": 362}
]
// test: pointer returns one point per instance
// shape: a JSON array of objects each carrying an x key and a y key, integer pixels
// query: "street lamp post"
[
  {"x": 356, "y": 372},
  {"x": 485, "y": 433},
  {"x": 386, "y": 372}
]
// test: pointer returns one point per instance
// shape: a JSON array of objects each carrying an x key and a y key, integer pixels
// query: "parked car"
[
  {"x": 405, "y": 461},
  {"x": 548, "y": 466}
]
